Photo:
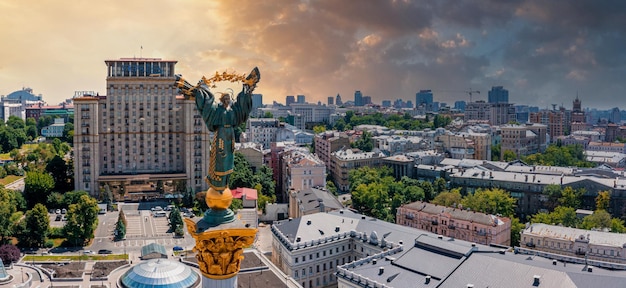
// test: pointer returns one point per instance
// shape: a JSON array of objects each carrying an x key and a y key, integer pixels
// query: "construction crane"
[{"x": 470, "y": 92}]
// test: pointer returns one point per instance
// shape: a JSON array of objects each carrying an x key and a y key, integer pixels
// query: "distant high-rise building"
[
  {"x": 301, "y": 99},
  {"x": 257, "y": 101},
  {"x": 290, "y": 100},
  {"x": 498, "y": 95},
  {"x": 331, "y": 100},
  {"x": 459, "y": 105},
  {"x": 338, "y": 101},
  {"x": 615, "y": 116},
  {"x": 409, "y": 104},
  {"x": 386, "y": 103},
  {"x": 367, "y": 100},
  {"x": 424, "y": 98},
  {"x": 579, "y": 121},
  {"x": 358, "y": 98}
]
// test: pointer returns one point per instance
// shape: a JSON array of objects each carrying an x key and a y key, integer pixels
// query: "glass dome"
[{"x": 160, "y": 273}]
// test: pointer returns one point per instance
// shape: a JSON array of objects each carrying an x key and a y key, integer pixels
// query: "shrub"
[{"x": 9, "y": 253}]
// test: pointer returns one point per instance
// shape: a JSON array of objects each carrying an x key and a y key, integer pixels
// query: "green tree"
[
  {"x": 440, "y": 185},
  {"x": 330, "y": 186},
  {"x": 37, "y": 187},
  {"x": 58, "y": 170},
  {"x": 35, "y": 227},
  {"x": 264, "y": 199},
  {"x": 268, "y": 114},
  {"x": 365, "y": 143},
  {"x": 599, "y": 219},
  {"x": 563, "y": 215},
  {"x": 508, "y": 156},
  {"x": 491, "y": 201},
  {"x": 120, "y": 226},
  {"x": 448, "y": 199},
  {"x": 429, "y": 190},
  {"x": 603, "y": 200},
  {"x": 175, "y": 220},
  {"x": 495, "y": 152},
  {"x": 551, "y": 194},
  {"x": 319, "y": 129},
  {"x": 516, "y": 228},
  {"x": 73, "y": 197},
  {"x": 16, "y": 123},
  {"x": 265, "y": 177},
  {"x": 617, "y": 225},
  {"x": 242, "y": 173},
  {"x": 570, "y": 197},
  {"x": 68, "y": 132},
  {"x": 82, "y": 220}
]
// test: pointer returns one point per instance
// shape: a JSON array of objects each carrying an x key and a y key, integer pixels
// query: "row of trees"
[
  {"x": 393, "y": 121},
  {"x": 375, "y": 192},
  {"x": 15, "y": 132},
  {"x": 561, "y": 204},
  {"x": 558, "y": 155}
]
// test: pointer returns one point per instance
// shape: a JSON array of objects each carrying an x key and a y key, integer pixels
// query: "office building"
[
  {"x": 358, "y": 98},
  {"x": 331, "y": 100},
  {"x": 424, "y": 98},
  {"x": 386, "y": 103},
  {"x": 141, "y": 140},
  {"x": 523, "y": 140},
  {"x": 262, "y": 130},
  {"x": 459, "y": 105},
  {"x": 498, "y": 94},
  {"x": 290, "y": 100},
  {"x": 338, "y": 101},
  {"x": 300, "y": 99}
]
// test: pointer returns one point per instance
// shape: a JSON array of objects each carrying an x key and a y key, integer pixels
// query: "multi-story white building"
[
  {"x": 55, "y": 129},
  {"x": 262, "y": 130},
  {"x": 302, "y": 170},
  {"x": 141, "y": 139}
]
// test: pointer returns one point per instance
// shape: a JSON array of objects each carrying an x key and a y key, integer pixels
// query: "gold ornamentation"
[
  {"x": 218, "y": 199},
  {"x": 220, "y": 252}
]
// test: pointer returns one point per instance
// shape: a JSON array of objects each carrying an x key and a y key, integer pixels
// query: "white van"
[{"x": 160, "y": 214}]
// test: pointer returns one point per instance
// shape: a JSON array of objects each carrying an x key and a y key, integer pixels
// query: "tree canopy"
[{"x": 82, "y": 220}]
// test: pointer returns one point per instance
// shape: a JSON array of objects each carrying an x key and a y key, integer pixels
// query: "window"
[
  {"x": 296, "y": 259},
  {"x": 303, "y": 258},
  {"x": 318, "y": 268},
  {"x": 303, "y": 272},
  {"x": 295, "y": 275}
]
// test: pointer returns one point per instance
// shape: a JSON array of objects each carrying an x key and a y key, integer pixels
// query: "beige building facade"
[{"x": 457, "y": 223}]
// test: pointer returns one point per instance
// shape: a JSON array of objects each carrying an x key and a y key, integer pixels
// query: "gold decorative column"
[{"x": 219, "y": 246}]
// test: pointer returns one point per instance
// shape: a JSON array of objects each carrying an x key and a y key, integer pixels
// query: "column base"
[{"x": 222, "y": 283}]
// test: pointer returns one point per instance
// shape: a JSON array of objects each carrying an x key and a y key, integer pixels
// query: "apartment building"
[
  {"x": 262, "y": 130},
  {"x": 141, "y": 139},
  {"x": 573, "y": 242},
  {"x": 253, "y": 153},
  {"x": 456, "y": 222},
  {"x": 310, "y": 201},
  {"x": 523, "y": 139},
  {"x": 344, "y": 160},
  {"x": 302, "y": 170},
  {"x": 465, "y": 145},
  {"x": 494, "y": 113},
  {"x": 555, "y": 120},
  {"x": 328, "y": 142}
]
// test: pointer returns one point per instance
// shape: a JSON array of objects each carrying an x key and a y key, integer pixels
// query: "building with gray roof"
[
  {"x": 312, "y": 200},
  {"x": 351, "y": 250}
]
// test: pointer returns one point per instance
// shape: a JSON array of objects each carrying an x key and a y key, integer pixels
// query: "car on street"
[
  {"x": 88, "y": 252},
  {"x": 63, "y": 211},
  {"x": 105, "y": 251},
  {"x": 178, "y": 248},
  {"x": 64, "y": 218},
  {"x": 58, "y": 218},
  {"x": 58, "y": 211}
]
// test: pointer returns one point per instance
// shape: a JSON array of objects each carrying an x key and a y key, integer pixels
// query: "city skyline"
[{"x": 542, "y": 52}]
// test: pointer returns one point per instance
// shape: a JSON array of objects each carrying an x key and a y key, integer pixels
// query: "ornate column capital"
[{"x": 220, "y": 252}]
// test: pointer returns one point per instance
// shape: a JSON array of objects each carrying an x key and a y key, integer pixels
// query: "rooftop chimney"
[
  {"x": 381, "y": 270},
  {"x": 427, "y": 279},
  {"x": 536, "y": 280},
  {"x": 308, "y": 222}
]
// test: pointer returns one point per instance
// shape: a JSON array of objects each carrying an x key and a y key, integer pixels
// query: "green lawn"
[
  {"x": 9, "y": 179},
  {"x": 58, "y": 258}
]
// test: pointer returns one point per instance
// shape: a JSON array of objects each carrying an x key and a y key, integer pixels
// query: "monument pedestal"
[{"x": 220, "y": 240}]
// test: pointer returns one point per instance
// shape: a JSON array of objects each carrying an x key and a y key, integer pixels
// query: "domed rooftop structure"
[
  {"x": 26, "y": 94},
  {"x": 160, "y": 273}
]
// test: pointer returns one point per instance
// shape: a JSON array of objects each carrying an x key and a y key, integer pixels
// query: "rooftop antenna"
[{"x": 141, "y": 52}]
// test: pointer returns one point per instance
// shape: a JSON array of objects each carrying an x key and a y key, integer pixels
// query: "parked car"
[
  {"x": 58, "y": 218},
  {"x": 63, "y": 211},
  {"x": 178, "y": 248},
  {"x": 88, "y": 252},
  {"x": 64, "y": 218},
  {"x": 105, "y": 251},
  {"x": 58, "y": 211}
]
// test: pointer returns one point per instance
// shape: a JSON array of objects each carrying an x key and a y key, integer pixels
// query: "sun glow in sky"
[{"x": 543, "y": 52}]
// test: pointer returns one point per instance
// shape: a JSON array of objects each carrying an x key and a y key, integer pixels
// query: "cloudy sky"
[{"x": 543, "y": 52}]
